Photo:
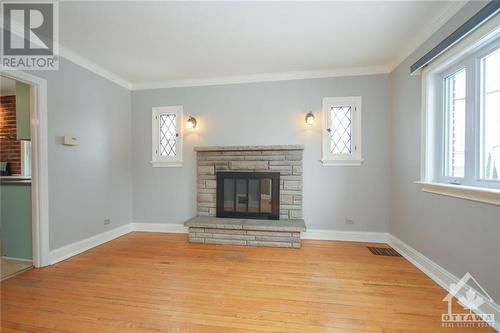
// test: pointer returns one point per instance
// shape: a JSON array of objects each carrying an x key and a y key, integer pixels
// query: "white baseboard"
[
  {"x": 160, "y": 227},
  {"x": 441, "y": 276},
  {"x": 341, "y": 235},
  {"x": 18, "y": 259},
  {"x": 73, "y": 249}
]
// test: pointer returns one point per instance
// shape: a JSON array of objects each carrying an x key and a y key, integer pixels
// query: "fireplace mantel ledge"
[{"x": 250, "y": 148}]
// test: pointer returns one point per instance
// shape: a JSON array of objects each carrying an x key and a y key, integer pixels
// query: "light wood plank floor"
[{"x": 151, "y": 282}]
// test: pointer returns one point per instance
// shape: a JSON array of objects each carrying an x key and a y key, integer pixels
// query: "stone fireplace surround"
[{"x": 285, "y": 159}]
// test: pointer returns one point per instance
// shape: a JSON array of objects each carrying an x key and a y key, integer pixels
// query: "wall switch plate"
[{"x": 70, "y": 140}]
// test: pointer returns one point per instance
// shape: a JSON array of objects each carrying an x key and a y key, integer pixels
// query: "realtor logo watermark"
[
  {"x": 30, "y": 35},
  {"x": 471, "y": 301}
]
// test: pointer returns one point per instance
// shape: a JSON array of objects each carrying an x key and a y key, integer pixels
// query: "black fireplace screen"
[{"x": 253, "y": 195}]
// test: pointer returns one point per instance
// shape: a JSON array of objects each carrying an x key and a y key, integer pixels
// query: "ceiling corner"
[{"x": 93, "y": 67}]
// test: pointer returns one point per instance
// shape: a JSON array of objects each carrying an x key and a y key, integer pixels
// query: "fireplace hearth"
[{"x": 253, "y": 195}]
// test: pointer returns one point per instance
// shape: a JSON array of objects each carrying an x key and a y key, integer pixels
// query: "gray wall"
[
  {"x": 457, "y": 234},
  {"x": 265, "y": 114},
  {"x": 93, "y": 181}
]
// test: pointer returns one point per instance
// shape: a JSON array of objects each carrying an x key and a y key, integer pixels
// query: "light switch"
[{"x": 70, "y": 141}]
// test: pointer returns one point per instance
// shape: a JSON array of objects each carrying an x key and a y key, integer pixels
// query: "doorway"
[
  {"x": 16, "y": 223},
  {"x": 24, "y": 229}
]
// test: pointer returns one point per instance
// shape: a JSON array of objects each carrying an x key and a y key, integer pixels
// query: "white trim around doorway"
[{"x": 39, "y": 164}]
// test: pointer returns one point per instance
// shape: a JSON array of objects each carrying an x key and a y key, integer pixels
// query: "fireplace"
[
  {"x": 253, "y": 195},
  {"x": 284, "y": 159}
]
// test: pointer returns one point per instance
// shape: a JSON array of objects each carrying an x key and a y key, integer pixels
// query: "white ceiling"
[{"x": 153, "y": 44}]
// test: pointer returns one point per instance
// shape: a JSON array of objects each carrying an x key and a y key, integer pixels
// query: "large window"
[
  {"x": 468, "y": 120},
  {"x": 454, "y": 99},
  {"x": 167, "y": 136},
  {"x": 341, "y": 131},
  {"x": 490, "y": 116}
]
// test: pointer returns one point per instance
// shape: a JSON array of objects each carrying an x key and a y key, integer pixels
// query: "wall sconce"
[
  {"x": 191, "y": 123},
  {"x": 310, "y": 119}
]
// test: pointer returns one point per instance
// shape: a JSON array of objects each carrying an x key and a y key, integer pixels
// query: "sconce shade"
[
  {"x": 310, "y": 118},
  {"x": 191, "y": 123}
]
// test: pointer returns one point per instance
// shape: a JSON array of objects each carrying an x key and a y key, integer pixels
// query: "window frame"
[
  {"x": 355, "y": 157},
  {"x": 474, "y": 47},
  {"x": 473, "y": 113},
  {"x": 166, "y": 161},
  {"x": 479, "y": 81},
  {"x": 441, "y": 123}
]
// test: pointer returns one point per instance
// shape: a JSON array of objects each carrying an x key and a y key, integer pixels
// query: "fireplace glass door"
[{"x": 248, "y": 195}]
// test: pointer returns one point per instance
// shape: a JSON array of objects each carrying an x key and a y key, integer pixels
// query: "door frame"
[{"x": 39, "y": 164}]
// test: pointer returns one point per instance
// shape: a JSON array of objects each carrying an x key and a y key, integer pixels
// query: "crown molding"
[
  {"x": 253, "y": 78},
  {"x": 93, "y": 67},
  {"x": 451, "y": 10},
  {"x": 264, "y": 77}
]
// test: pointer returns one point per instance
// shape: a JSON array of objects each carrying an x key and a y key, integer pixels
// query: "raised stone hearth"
[
  {"x": 285, "y": 232},
  {"x": 213, "y": 230}
]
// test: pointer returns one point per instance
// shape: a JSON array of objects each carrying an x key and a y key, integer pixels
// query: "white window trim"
[
  {"x": 355, "y": 158},
  {"x": 427, "y": 182},
  {"x": 441, "y": 123},
  {"x": 166, "y": 161},
  {"x": 481, "y": 194}
]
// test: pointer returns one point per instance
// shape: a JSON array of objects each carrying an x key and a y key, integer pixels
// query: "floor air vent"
[{"x": 384, "y": 251}]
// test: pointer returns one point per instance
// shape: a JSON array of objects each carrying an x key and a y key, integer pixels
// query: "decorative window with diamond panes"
[
  {"x": 342, "y": 131},
  {"x": 167, "y": 136}
]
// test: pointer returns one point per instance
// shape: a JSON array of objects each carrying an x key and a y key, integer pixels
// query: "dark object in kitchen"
[{"x": 5, "y": 169}]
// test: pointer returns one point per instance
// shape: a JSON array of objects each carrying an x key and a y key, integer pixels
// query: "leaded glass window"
[
  {"x": 341, "y": 131},
  {"x": 168, "y": 134}
]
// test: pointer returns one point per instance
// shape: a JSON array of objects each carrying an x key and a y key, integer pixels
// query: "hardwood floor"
[{"x": 151, "y": 282}]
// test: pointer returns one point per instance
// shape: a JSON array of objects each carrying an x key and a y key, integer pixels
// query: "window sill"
[
  {"x": 342, "y": 162},
  {"x": 480, "y": 194},
  {"x": 166, "y": 164}
]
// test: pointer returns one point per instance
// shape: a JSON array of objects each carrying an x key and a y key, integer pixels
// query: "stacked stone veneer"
[
  {"x": 211, "y": 230},
  {"x": 287, "y": 160},
  {"x": 244, "y": 237}
]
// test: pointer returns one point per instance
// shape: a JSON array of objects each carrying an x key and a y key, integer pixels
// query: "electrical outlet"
[
  {"x": 107, "y": 221},
  {"x": 349, "y": 221}
]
